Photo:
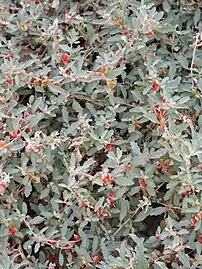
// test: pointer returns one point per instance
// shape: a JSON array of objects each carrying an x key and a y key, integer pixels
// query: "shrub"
[{"x": 100, "y": 143}]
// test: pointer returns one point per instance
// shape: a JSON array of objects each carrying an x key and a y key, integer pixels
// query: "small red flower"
[
  {"x": 10, "y": 82},
  {"x": 200, "y": 166},
  {"x": 12, "y": 230},
  {"x": 96, "y": 259},
  {"x": 38, "y": 149},
  {"x": 37, "y": 1},
  {"x": 185, "y": 193},
  {"x": 77, "y": 237},
  {"x": 145, "y": 58},
  {"x": 142, "y": 183},
  {"x": 15, "y": 134},
  {"x": 164, "y": 100},
  {"x": 99, "y": 212},
  {"x": 83, "y": 204},
  {"x": 155, "y": 85},
  {"x": 12, "y": 155},
  {"x": 200, "y": 239},
  {"x": 46, "y": 10},
  {"x": 162, "y": 112},
  {"x": 194, "y": 220},
  {"x": 3, "y": 185},
  {"x": 111, "y": 198},
  {"x": 10, "y": 56},
  {"x": 27, "y": 114},
  {"x": 109, "y": 147},
  {"x": 107, "y": 179},
  {"x": 49, "y": 74},
  {"x": 28, "y": 22},
  {"x": 52, "y": 243},
  {"x": 136, "y": 124},
  {"x": 125, "y": 33},
  {"x": 65, "y": 58}
]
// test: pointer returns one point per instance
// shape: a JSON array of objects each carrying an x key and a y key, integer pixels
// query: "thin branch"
[{"x": 193, "y": 57}]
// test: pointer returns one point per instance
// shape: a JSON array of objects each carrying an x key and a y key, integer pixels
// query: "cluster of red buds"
[{"x": 111, "y": 198}]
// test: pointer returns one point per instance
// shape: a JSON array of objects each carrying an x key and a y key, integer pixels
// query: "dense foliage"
[{"x": 101, "y": 134}]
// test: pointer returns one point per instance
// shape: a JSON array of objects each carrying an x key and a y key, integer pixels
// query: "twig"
[
  {"x": 193, "y": 57},
  {"x": 170, "y": 206}
]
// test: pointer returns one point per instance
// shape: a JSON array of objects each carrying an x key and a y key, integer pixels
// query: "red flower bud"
[
  {"x": 125, "y": 33},
  {"x": 109, "y": 147},
  {"x": 52, "y": 242},
  {"x": 27, "y": 114},
  {"x": 155, "y": 85},
  {"x": 142, "y": 183},
  {"x": 99, "y": 212},
  {"x": 28, "y": 22},
  {"x": 194, "y": 220},
  {"x": 185, "y": 193},
  {"x": 96, "y": 259},
  {"x": 162, "y": 112},
  {"x": 46, "y": 10},
  {"x": 10, "y": 56},
  {"x": 65, "y": 58},
  {"x": 136, "y": 124},
  {"x": 10, "y": 82},
  {"x": 12, "y": 230},
  {"x": 77, "y": 237},
  {"x": 82, "y": 204},
  {"x": 200, "y": 239},
  {"x": 200, "y": 166},
  {"x": 111, "y": 198},
  {"x": 15, "y": 134}
]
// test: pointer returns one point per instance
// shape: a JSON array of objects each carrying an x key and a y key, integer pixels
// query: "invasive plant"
[{"x": 100, "y": 142}]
